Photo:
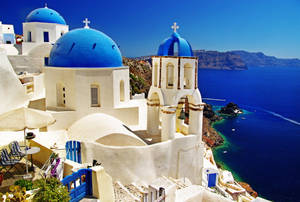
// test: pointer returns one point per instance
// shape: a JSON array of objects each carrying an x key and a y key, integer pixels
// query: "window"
[
  {"x": 46, "y": 36},
  {"x": 155, "y": 74},
  {"x": 29, "y": 36},
  {"x": 95, "y": 95},
  {"x": 46, "y": 61},
  {"x": 122, "y": 89},
  {"x": 188, "y": 76},
  {"x": 60, "y": 95},
  {"x": 170, "y": 75}
]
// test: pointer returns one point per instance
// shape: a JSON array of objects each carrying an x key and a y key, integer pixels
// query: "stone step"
[{"x": 123, "y": 194}]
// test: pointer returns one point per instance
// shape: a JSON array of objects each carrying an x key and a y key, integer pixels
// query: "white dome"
[{"x": 103, "y": 129}]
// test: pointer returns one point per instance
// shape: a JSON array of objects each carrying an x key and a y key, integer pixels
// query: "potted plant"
[
  {"x": 50, "y": 189},
  {"x": 16, "y": 193}
]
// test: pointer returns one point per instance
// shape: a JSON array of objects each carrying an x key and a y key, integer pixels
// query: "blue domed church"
[
  {"x": 42, "y": 26},
  {"x": 85, "y": 75}
]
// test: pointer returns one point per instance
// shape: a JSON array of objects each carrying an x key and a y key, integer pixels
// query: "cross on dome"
[
  {"x": 175, "y": 26},
  {"x": 86, "y": 22},
  {"x": 46, "y": 5}
]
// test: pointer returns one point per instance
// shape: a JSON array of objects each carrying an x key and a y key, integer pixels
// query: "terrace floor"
[{"x": 18, "y": 174}]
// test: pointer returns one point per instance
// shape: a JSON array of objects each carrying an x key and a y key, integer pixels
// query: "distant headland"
[{"x": 236, "y": 60}]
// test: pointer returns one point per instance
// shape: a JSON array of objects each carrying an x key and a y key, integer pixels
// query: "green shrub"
[
  {"x": 24, "y": 183},
  {"x": 50, "y": 189}
]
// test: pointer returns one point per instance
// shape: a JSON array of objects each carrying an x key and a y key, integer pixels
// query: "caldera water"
[{"x": 263, "y": 145}]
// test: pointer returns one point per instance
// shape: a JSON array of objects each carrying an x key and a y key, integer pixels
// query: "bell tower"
[{"x": 174, "y": 80}]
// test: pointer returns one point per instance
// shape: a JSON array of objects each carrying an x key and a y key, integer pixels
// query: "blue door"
[
  {"x": 79, "y": 184},
  {"x": 46, "y": 36},
  {"x": 212, "y": 179},
  {"x": 73, "y": 151}
]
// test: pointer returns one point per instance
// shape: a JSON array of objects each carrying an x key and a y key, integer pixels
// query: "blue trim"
[
  {"x": 85, "y": 188},
  {"x": 212, "y": 179},
  {"x": 73, "y": 151}
]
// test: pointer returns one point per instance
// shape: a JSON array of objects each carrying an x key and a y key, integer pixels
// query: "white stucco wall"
[
  {"x": 118, "y": 76},
  {"x": 10, "y": 49},
  {"x": 103, "y": 129},
  {"x": 37, "y": 30},
  {"x": 181, "y": 157},
  {"x": 78, "y": 81},
  {"x": 21, "y": 63},
  {"x": 11, "y": 90}
]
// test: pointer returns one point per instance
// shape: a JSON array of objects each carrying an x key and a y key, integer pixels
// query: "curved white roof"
[
  {"x": 12, "y": 92},
  {"x": 103, "y": 129}
]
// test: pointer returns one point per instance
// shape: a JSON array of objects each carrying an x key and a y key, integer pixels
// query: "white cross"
[
  {"x": 46, "y": 6},
  {"x": 86, "y": 22},
  {"x": 175, "y": 27}
]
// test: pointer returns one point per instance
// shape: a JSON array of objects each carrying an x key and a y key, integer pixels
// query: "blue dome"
[
  {"x": 85, "y": 48},
  {"x": 45, "y": 15},
  {"x": 167, "y": 47}
]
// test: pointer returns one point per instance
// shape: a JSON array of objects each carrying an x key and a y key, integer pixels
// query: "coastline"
[{"x": 223, "y": 146}]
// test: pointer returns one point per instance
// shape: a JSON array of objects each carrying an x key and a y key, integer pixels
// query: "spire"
[
  {"x": 175, "y": 27},
  {"x": 86, "y": 22}
]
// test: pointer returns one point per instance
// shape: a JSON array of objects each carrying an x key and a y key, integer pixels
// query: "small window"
[
  {"x": 95, "y": 95},
  {"x": 60, "y": 95},
  {"x": 29, "y": 36},
  {"x": 46, "y": 61},
  {"x": 122, "y": 91},
  {"x": 46, "y": 36}
]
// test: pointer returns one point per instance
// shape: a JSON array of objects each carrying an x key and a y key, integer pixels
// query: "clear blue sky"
[{"x": 139, "y": 26}]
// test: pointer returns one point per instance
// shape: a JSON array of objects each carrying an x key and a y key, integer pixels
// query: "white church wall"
[
  {"x": 181, "y": 157},
  {"x": 78, "y": 81},
  {"x": 155, "y": 72},
  {"x": 37, "y": 30},
  {"x": 60, "y": 30},
  {"x": 85, "y": 77},
  {"x": 118, "y": 76},
  {"x": 65, "y": 77},
  {"x": 39, "y": 86}
]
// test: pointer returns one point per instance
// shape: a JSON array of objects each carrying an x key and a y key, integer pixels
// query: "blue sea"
[{"x": 262, "y": 145}]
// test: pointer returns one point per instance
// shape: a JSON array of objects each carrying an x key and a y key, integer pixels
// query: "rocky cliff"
[
  {"x": 213, "y": 60},
  {"x": 140, "y": 75},
  {"x": 259, "y": 59},
  {"x": 219, "y": 60}
]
